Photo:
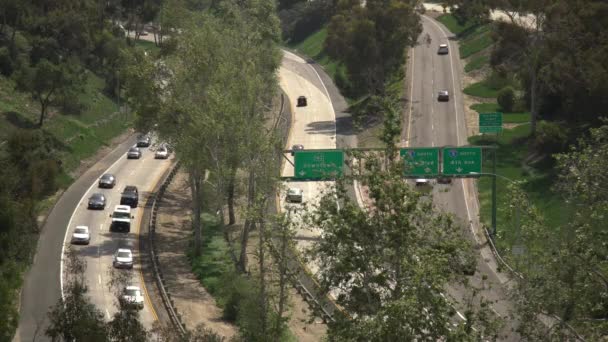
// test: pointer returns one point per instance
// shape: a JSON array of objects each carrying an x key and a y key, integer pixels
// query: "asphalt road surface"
[
  {"x": 435, "y": 124},
  {"x": 42, "y": 287}
]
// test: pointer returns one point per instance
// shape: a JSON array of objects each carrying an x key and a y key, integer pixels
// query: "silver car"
[
  {"x": 295, "y": 195},
  {"x": 81, "y": 235},
  {"x": 134, "y": 153},
  {"x": 123, "y": 258}
]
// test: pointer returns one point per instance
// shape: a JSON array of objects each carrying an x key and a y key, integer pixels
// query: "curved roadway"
[
  {"x": 436, "y": 124},
  {"x": 43, "y": 282}
]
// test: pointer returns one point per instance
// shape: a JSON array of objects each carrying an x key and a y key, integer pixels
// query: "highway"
[
  {"x": 43, "y": 282},
  {"x": 430, "y": 123}
]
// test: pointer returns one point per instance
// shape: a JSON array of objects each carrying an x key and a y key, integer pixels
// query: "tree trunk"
[
  {"x": 533, "y": 100},
  {"x": 249, "y": 224},
  {"x": 43, "y": 106},
  {"x": 231, "y": 181},
  {"x": 195, "y": 184},
  {"x": 281, "y": 260}
]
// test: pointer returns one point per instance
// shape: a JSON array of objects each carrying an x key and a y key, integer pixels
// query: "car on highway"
[
  {"x": 134, "y": 153},
  {"x": 130, "y": 196},
  {"x": 295, "y": 195},
  {"x": 107, "y": 181},
  {"x": 422, "y": 182},
  {"x": 302, "y": 102},
  {"x": 444, "y": 180},
  {"x": 443, "y": 95},
  {"x": 297, "y": 147},
  {"x": 443, "y": 49},
  {"x": 132, "y": 296},
  {"x": 123, "y": 258},
  {"x": 121, "y": 219},
  {"x": 161, "y": 153},
  {"x": 144, "y": 141},
  {"x": 97, "y": 201},
  {"x": 81, "y": 235}
]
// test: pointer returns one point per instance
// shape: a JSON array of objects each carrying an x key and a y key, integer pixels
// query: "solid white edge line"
[
  {"x": 409, "y": 118},
  {"x": 67, "y": 229}
]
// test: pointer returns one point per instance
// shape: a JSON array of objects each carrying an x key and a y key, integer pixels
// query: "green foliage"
[
  {"x": 453, "y": 25},
  {"x": 476, "y": 63},
  {"x": 472, "y": 46},
  {"x": 390, "y": 261},
  {"x": 489, "y": 87},
  {"x": 506, "y": 98},
  {"x": 371, "y": 41},
  {"x": 551, "y": 137},
  {"x": 304, "y": 18}
]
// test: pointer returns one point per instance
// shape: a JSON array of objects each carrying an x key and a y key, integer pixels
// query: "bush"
[
  {"x": 232, "y": 296},
  {"x": 551, "y": 137},
  {"x": 303, "y": 19},
  {"x": 506, "y": 98}
]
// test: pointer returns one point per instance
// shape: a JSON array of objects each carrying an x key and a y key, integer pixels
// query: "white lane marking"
[
  {"x": 460, "y": 315},
  {"x": 67, "y": 229},
  {"x": 99, "y": 278},
  {"x": 101, "y": 226},
  {"x": 108, "y": 314},
  {"x": 453, "y": 82}
]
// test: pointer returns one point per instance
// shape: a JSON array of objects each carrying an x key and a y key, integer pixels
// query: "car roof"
[
  {"x": 123, "y": 250},
  {"x": 132, "y": 287},
  {"x": 123, "y": 208},
  {"x": 443, "y": 92},
  {"x": 130, "y": 188},
  {"x": 443, "y": 45},
  {"x": 133, "y": 148},
  {"x": 97, "y": 194},
  {"x": 422, "y": 180},
  {"x": 85, "y": 227},
  {"x": 295, "y": 190},
  {"x": 107, "y": 175}
]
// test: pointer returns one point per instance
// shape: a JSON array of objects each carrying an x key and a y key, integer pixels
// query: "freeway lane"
[
  {"x": 313, "y": 126},
  {"x": 41, "y": 282},
  {"x": 145, "y": 174},
  {"x": 433, "y": 123}
]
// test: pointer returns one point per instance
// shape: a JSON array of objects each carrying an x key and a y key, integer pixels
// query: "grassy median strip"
[{"x": 508, "y": 117}]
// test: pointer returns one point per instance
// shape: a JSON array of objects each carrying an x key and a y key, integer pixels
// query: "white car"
[
  {"x": 422, "y": 182},
  {"x": 295, "y": 195},
  {"x": 123, "y": 258},
  {"x": 81, "y": 235},
  {"x": 132, "y": 296},
  {"x": 161, "y": 153}
]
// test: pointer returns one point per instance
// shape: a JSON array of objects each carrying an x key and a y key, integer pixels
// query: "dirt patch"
[{"x": 173, "y": 234}]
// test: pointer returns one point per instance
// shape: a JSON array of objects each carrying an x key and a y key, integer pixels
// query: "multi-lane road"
[
  {"x": 44, "y": 283},
  {"x": 430, "y": 123}
]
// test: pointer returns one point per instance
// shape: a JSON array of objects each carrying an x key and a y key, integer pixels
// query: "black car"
[
  {"x": 97, "y": 201},
  {"x": 443, "y": 49},
  {"x": 144, "y": 141},
  {"x": 444, "y": 180},
  {"x": 130, "y": 196},
  {"x": 107, "y": 181},
  {"x": 302, "y": 101}
]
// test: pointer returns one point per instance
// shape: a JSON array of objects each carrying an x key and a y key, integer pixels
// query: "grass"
[
  {"x": 214, "y": 262},
  {"x": 453, "y": 25},
  {"x": 313, "y": 48},
  {"x": 538, "y": 182},
  {"x": 481, "y": 89},
  {"x": 473, "y": 46},
  {"x": 477, "y": 63},
  {"x": 148, "y": 46},
  {"x": 508, "y": 117}
]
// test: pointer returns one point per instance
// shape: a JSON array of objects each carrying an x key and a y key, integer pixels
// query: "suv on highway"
[
  {"x": 121, "y": 219},
  {"x": 443, "y": 49},
  {"x": 130, "y": 196}
]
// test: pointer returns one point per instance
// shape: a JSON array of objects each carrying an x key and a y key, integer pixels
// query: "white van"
[{"x": 121, "y": 218}]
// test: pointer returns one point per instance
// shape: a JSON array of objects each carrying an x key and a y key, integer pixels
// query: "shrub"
[
  {"x": 506, "y": 98},
  {"x": 551, "y": 137}
]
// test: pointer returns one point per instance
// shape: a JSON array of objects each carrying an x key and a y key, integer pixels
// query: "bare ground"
[{"x": 173, "y": 233}]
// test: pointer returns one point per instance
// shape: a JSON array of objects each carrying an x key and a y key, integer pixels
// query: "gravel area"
[{"x": 173, "y": 233}]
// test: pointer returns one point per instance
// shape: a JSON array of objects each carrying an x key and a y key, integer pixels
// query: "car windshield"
[
  {"x": 106, "y": 177},
  {"x": 97, "y": 197},
  {"x": 133, "y": 149},
  {"x": 120, "y": 215},
  {"x": 131, "y": 292},
  {"x": 293, "y": 191},
  {"x": 123, "y": 254},
  {"x": 80, "y": 231}
]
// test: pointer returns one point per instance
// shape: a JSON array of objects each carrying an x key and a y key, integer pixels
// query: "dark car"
[
  {"x": 443, "y": 95},
  {"x": 130, "y": 196},
  {"x": 302, "y": 102},
  {"x": 297, "y": 147},
  {"x": 144, "y": 141},
  {"x": 134, "y": 153},
  {"x": 443, "y": 49},
  {"x": 107, "y": 181},
  {"x": 444, "y": 180},
  {"x": 97, "y": 201}
]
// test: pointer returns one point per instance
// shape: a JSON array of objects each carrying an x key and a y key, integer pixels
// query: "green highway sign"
[
  {"x": 461, "y": 161},
  {"x": 420, "y": 162},
  {"x": 490, "y": 122},
  {"x": 318, "y": 164}
]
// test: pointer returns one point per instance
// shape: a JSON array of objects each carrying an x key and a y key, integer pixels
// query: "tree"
[
  {"x": 564, "y": 269},
  {"x": 44, "y": 81},
  {"x": 506, "y": 98},
  {"x": 75, "y": 317},
  {"x": 125, "y": 325},
  {"x": 371, "y": 40}
]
